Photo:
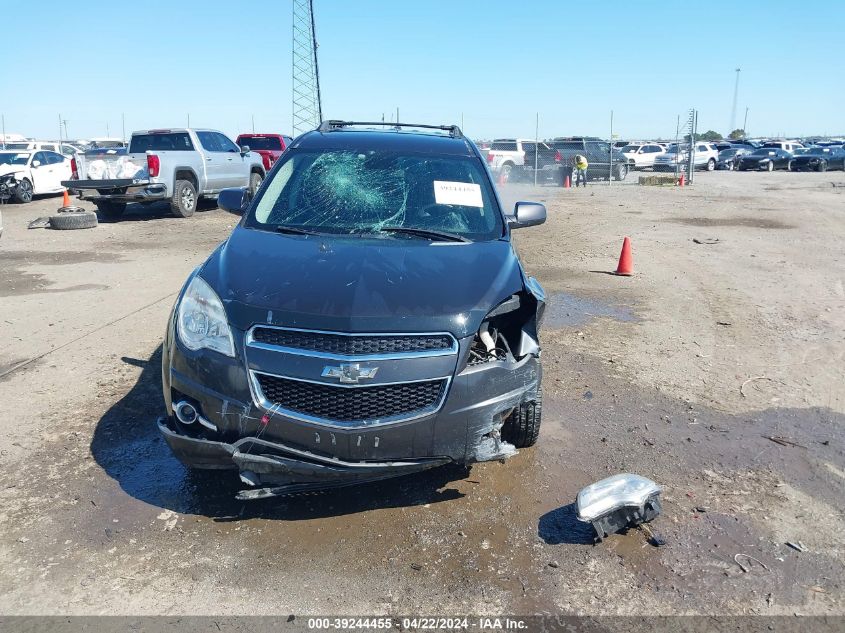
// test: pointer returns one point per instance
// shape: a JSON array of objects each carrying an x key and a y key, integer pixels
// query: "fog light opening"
[{"x": 185, "y": 412}]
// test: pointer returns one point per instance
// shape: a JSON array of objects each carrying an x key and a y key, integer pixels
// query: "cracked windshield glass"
[{"x": 371, "y": 192}]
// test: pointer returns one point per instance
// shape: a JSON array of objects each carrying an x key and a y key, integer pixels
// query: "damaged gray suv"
[{"x": 367, "y": 318}]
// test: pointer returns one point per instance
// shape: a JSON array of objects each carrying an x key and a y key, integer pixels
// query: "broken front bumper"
[{"x": 285, "y": 469}]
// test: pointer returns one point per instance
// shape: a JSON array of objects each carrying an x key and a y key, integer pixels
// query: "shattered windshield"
[{"x": 346, "y": 192}]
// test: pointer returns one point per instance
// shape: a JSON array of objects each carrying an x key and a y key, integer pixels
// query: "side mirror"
[
  {"x": 36, "y": 163},
  {"x": 234, "y": 199},
  {"x": 244, "y": 149},
  {"x": 527, "y": 214}
]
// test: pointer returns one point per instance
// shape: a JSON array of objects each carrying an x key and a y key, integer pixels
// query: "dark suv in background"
[
  {"x": 604, "y": 160},
  {"x": 367, "y": 318}
]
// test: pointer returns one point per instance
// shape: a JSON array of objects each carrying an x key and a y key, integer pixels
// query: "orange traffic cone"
[
  {"x": 66, "y": 200},
  {"x": 502, "y": 180},
  {"x": 566, "y": 183},
  {"x": 626, "y": 261},
  {"x": 682, "y": 179}
]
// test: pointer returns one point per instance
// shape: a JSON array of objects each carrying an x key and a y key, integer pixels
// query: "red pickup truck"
[{"x": 268, "y": 146}]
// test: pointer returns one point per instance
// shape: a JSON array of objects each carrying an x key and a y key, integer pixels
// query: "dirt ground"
[{"x": 681, "y": 373}]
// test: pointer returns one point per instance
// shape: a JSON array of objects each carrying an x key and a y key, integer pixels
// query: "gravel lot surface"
[{"x": 731, "y": 332}]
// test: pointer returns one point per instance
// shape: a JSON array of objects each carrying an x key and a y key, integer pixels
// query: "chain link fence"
[{"x": 554, "y": 161}]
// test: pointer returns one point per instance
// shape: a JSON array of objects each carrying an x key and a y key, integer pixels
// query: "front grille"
[
  {"x": 353, "y": 345},
  {"x": 356, "y": 404}
]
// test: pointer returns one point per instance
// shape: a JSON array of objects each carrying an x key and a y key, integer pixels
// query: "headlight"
[
  {"x": 201, "y": 320},
  {"x": 613, "y": 493}
]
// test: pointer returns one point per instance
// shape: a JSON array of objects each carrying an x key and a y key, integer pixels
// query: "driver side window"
[{"x": 39, "y": 156}]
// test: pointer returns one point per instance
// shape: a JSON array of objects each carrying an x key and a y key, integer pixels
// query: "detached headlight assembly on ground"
[
  {"x": 201, "y": 320},
  {"x": 618, "y": 502}
]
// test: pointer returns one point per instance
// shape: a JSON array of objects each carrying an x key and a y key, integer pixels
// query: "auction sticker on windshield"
[{"x": 465, "y": 194}]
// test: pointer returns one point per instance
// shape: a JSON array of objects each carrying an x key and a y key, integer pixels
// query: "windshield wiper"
[
  {"x": 432, "y": 235},
  {"x": 294, "y": 230}
]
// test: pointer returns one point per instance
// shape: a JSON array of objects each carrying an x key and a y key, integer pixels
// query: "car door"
[
  {"x": 598, "y": 155},
  {"x": 215, "y": 162},
  {"x": 237, "y": 166},
  {"x": 42, "y": 181},
  {"x": 59, "y": 169}
]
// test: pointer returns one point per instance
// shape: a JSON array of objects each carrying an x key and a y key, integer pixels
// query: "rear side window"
[
  {"x": 168, "y": 142},
  {"x": 504, "y": 146},
  {"x": 568, "y": 145},
  {"x": 53, "y": 158}
]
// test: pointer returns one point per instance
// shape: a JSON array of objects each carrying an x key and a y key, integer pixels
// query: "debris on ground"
[
  {"x": 777, "y": 439},
  {"x": 750, "y": 558},
  {"x": 706, "y": 240},
  {"x": 798, "y": 547}
]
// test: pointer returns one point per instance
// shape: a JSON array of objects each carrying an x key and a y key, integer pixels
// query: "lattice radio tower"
[{"x": 307, "y": 107}]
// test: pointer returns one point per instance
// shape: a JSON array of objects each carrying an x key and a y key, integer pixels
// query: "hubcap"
[
  {"x": 26, "y": 190},
  {"x": 187, "y": 198}
]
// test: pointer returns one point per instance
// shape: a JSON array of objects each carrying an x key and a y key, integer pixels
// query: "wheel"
[
  {"x": 789, "y": 166},
  {"x": 770, "y": 166},
  {"x": 711, "y": 165},
  {"x": 255, "y": 180},
  {"x": 823, "y": 166},
  {"x": 522, "y": 427},
  {"x": 621, "y": 172},
  {"x": 505, "y": 172},
  {"x": 184, "y": 200},
  {"x": 111, "y": 210},
  {"x": 23, "y": 192},
  {"x": 81, "y": 219}
]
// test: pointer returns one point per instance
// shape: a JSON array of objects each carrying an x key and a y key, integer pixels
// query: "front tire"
[
  {"x": 823, "y": 166},
  {"x": 23, "y": 192},
  {"x": 184, "y": 200},
  {"x": 770, "y": 166},
  {"x": 789, "y": 166},
  {"x": 522, "y": 427},
  {"x": 255, "y": 180}
]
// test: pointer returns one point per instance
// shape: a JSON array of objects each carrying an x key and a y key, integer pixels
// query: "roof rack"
[{"x": 334, "y": 124}]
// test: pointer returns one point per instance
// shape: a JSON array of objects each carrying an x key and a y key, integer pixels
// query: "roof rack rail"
[{"x": 335, "y": 124}]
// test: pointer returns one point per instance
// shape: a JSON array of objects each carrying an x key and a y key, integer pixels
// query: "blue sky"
[{"x": 496, "y": 63}]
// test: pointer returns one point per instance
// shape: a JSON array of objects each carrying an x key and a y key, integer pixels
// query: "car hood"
[
  {"x": 361, "y": 284},
  {"x": 10, "y": 169}
]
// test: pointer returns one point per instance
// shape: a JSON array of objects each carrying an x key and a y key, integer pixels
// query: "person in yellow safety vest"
[{"x": 579, "y": 166}]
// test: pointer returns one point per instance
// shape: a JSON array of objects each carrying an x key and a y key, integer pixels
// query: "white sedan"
[
  {"x": 37, "y": 172},
  {"x": 641, "y": 155}
]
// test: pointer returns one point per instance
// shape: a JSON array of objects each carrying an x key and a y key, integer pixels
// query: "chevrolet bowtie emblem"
[{"x": 350, "y": 373}]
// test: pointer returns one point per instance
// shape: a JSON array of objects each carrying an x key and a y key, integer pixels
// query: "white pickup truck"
[
  {"x": 506, "y": 153},
  {"x": 178, "y": 165}
]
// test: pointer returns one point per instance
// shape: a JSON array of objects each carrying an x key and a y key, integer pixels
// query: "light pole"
[
  {"x": 745, "y": 124},
  {"x": 736, "y": 94}
]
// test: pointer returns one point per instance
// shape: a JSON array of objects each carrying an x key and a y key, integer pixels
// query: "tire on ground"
[
  {"x": 184, "y": 200},
  {"x": 111, "y": 210},
  {"x": 74, "y": 220},
  {"x": 522, "y": 427}
]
